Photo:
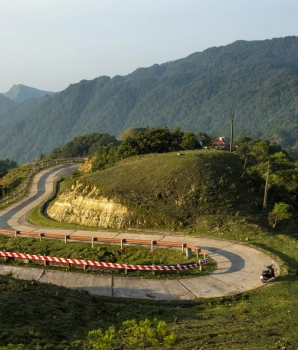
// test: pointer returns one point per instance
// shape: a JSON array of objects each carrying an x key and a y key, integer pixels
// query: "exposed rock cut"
[{"x": 83, "y": 206}]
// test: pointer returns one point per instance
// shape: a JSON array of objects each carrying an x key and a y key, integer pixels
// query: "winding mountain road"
[{"x": 238, "y": 270}]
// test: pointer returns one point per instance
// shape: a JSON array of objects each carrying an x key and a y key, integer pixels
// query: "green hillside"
[
  {"x": 258, "y": 80},
  {"x": 17, "y": 111},
  {"x": 5, "y": 105},
  {"x": 197, "y": 190},
  {"x": 41, "y": 316},
  {"x": 206, "y": 192}
]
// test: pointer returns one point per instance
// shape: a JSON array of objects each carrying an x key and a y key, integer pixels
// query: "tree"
[
  {"x": 177, "y": 135},
  {"x": 189, "y": 141},
  {"x": 132, "y": 146},
  {"x": 105, "y": 158},
  {"x": 281, "y": 211},
  {"x": 8, "y": 164},
  {"x": 3, "y": 172},
  {"x": 280, "y": 158},
  {"x": 42, "y": 156},
  {"x": 159, "y": 139},
  {"x": 242, "y": 140},
  {"x": 260, "y": 151},
  {"x": 86, "y": 145},
  {"x": 288, "y": 179},
  {"x": 244, "y": 145},
  {"x": 155, "y": 140}
]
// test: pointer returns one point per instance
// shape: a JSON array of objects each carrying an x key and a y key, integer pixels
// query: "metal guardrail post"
[
  {"x": 48, "y": 259},
  {"x": 188, "y": 253}
]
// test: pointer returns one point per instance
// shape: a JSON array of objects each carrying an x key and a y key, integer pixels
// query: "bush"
[
  {"x": 132, "y": 335},
  {"x": 281, "y": 211}
]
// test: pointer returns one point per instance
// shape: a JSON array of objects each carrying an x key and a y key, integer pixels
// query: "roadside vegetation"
[
  {"x": 134, "y": 255},
  {"x": 190, "y": 189},
  {"x": 202, "y": 193},
  {"x": 6, "y": 164},
  {"x": 13, "y": 179},
  {"x": 105, "y": 146},
  {"x": 43, "y": 316}
]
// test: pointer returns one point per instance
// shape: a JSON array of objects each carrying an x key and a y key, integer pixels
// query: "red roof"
[{"x": 219, "y": 143}]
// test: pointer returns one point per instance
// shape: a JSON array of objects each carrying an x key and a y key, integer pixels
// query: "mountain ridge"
[
  {"x": 258, "y": 80},
  {"x": 20, "y": 93}
]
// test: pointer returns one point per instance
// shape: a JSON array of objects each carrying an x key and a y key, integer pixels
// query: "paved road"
[{"x": 238, "y": 269}]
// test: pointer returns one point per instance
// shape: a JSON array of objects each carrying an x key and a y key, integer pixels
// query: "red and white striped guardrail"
[{"x": 176, "y": 267}]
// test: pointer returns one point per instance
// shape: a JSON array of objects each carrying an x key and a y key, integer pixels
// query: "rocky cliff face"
[{"x": 85, "y": 206}]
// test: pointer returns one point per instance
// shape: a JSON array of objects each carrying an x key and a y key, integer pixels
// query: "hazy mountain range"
[
  {"x": 257, "y": 80},
  {"x": 20, "y": 93}
]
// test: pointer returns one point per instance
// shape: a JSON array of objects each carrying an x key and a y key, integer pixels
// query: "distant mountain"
[
  {"x": 17, "y": 111},
  {"x": 20, "y": 93},
  {"x": 257, "y": 80},
  {"x": 5, "y": 104}
]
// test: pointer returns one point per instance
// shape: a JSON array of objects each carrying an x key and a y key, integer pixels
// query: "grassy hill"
[{"x": 197, "y": 190}]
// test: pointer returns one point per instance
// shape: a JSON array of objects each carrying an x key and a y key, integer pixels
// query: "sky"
[{"x": 50, "y": 44}]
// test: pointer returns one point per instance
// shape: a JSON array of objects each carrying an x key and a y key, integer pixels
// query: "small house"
[{"x": 220, "y": 143}]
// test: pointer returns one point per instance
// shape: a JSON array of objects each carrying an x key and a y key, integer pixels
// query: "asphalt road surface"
[{"x": 238, "y": 266}]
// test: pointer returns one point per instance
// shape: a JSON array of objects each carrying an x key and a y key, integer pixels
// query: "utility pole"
[
  {"x": 266, "y": 185},
  {"x": 232, "y": 133}
]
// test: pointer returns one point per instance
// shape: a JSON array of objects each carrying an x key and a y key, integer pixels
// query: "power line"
[{"x": 287, "y": 199}]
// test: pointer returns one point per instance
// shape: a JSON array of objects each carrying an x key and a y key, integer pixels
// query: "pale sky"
[{"x": 49, "y": 44}]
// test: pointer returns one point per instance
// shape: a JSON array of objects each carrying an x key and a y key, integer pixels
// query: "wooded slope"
[{"x": 258, "y": 80}]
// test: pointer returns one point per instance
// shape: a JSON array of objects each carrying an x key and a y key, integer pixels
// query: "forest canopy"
[{"x": 257, "y": 80}]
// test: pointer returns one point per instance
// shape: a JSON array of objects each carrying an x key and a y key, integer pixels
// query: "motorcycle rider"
[{"x": 271, "y": 270}]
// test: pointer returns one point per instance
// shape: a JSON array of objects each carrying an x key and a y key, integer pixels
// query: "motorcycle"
[{"x": 267, "y": 274}]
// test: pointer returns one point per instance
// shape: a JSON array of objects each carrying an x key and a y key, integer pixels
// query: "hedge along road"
[{"x": 238, "y": 266}]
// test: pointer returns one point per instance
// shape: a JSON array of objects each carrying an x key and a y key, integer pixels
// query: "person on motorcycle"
[{"x": 271, "y": 270}]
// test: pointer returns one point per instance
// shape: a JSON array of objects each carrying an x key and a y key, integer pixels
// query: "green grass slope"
[
  {"x": 180, "y": 191},
  {"x": 37, "y": 316},
  {"x": 208, "y": 192}
]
